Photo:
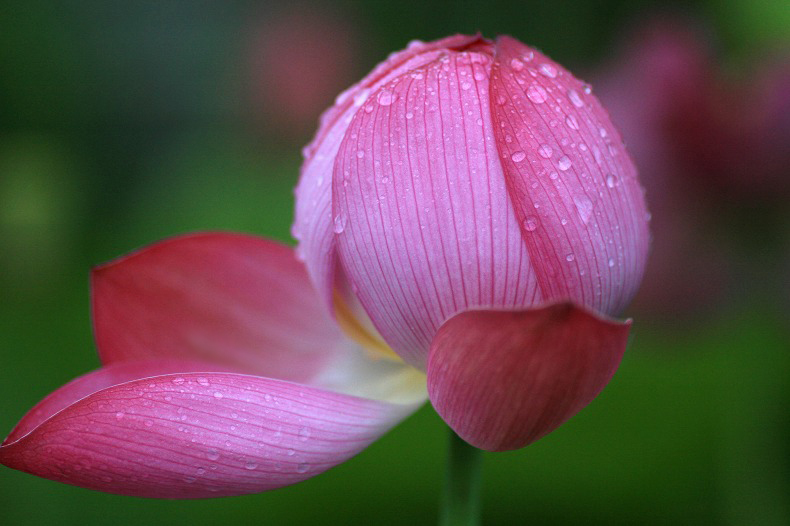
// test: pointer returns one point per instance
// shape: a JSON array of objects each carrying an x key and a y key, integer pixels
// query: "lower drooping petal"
[
  {"x": 192, "y": 435},
  {"x": 226, "y": 298},
  {"x": 502, "y": 380}
]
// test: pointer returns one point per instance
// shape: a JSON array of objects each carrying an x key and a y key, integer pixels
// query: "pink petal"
[
  {"x": 424, "y": 220},
  {"x": 230, "y": 299},
  {"x": 193, "y": 435},
  {"x": 502, "y": 380},
  {"x": 573, "y": 185},
  {"x": 313, "y": 225}
]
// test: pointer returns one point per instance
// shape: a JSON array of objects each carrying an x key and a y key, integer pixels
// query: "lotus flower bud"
[{"x": 464, "y": 179}]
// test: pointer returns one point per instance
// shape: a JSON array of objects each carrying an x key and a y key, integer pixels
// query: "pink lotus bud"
[{"x": 473, "y": 205}]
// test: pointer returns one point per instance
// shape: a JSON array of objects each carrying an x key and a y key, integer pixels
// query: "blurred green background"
[{"x": 125, "y": 122}]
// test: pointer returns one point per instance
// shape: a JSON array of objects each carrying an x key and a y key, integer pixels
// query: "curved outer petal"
[
  {"x": 424, "y": 221},
  {"x": 192, "y": 435},
  {"x": 230, "y": 299},
  {"x": 575, "y": 191},
  {"x": 313, "y": 226},
  {"x": 502, "y": 380}
]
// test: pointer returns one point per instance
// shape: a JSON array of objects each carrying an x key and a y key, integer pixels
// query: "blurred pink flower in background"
[
  {"x": 300, "y": 57},
  {"x": 707, "y": 146}
]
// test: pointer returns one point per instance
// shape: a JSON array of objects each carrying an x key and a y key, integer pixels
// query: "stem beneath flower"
[{"x": 461, "y": 497}]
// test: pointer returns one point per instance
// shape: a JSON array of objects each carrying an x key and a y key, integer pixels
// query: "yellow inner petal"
[{"x": 374, "y": 346}]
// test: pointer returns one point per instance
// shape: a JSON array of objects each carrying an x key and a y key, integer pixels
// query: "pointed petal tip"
[{"x": 502, "y": 380}]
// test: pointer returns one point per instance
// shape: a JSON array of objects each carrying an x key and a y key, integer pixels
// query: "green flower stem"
[{"x": 461, "y": 497}]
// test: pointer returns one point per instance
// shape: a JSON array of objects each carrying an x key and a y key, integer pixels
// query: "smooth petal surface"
[
  {"x": 573, "y": 186},
  {"x": 502, "y": 380},
  {"x": 424, "y": 223},
  {"x": 313, "y": 225},
  {"x": 192, "y": 435},
  {"x": 234, "y": 300}
]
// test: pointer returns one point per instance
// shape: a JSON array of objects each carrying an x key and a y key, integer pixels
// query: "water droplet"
[
  {"x": 602, "y": 132},
  {"x": 537, "y": 93},
  {"x": 564, "y": 163},
  {"x": 500, "y": 100},
  {"x": 217, "y": 395},
  {"x": 386, "y": 98},
  {"x": 360, "y": 154},
  {"x": 212, "y": 454},
  {"x": 479, "y": 75},
  {"x": 611, "y": 262},
  {"x": 553, "y": 175},
  {"x": 584, "y": 206},
  {"x": 290, "y": 452},
  {"x": 572, "y": 123},
  {"x": 267, "y": 397},
  {"x": 530, "y": 223},
  {"x": 339, "y": 224},
  {"x": 569, "y": 258},
  {"x": 368, "y": 108},
  {"x": 119, "y": 415},
  {"x": 178, "y": 380},
  {"x": 548, "y": 70},
  {"x": 575, "y": 98},
  {"x": 516, "y": 64},
  {"x": 465, "y": 85},
  {"x": 200, "y": 471},
  {"x": 518, "y": 156},
  {"x": 587, "y": 88},
  {"x": 304, "y": 434},
  {"x": 303, "y": 467},
  {"x": 409, "y": 115},
  {"x": 611, "y": 180},
  {"x": 250, "y": 465},
  {"x": 545, "y": 151},
  {"x": 361, "y": 97},
  {"x": 203, "y": 381}
]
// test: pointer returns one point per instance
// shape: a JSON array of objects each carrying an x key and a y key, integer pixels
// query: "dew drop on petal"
[
  {"x": 339, "y": 224},
  {"x": 611, "y": 262},
  {"x": 572, "y": 123},
  {"x": 611, "y": 180},
  {"x": 564, "y": 163},
  {"x": 518, "y": 156},
  {"x": 575, "y": 98},
  {"x": 516, "y": 64},
  {"x": 360, "y": 154},
  {"x": 212, "y": 454},
  {"x": 569, "y": 258},
  {"x": 217, "y": 395},
  {"x": 537, "y": 93},
  {"x": 545, "y": 151},
  {"x": 548, "y": 70},
  {"x": 250, "y": 465},
  {"x": 203, "y": 381},
  {"x": 304, "y": 434},
  {"x": 385, "y": 98},
  {"x": 584, "y": 206},
  {"x": 530, "y": 223}
]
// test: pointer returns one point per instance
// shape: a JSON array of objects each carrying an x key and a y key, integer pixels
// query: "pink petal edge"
[
  {"x": 502, "y": 380},
  {"x": 231, "y": 299},
  {"x": 192, "y": 435}
]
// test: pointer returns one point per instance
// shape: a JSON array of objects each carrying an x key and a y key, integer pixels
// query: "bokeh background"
[{"x": 122, "y": 122}]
